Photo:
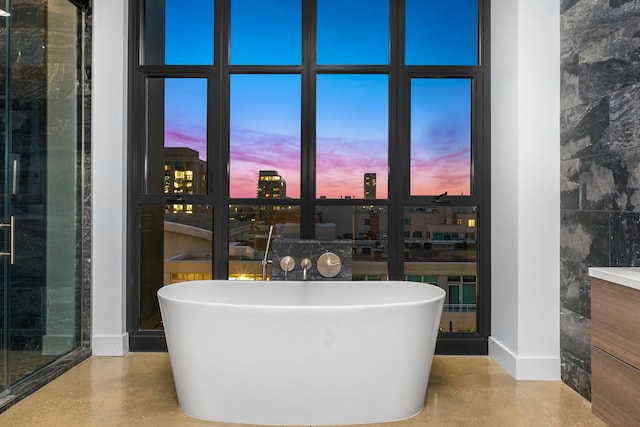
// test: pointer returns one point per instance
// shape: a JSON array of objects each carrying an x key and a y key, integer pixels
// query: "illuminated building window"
[{"x": 271, "y": 185}]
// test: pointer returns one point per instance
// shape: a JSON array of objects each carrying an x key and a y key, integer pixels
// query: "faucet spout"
[
  {"x": 306, "y": 266},
  {"x": 265, "y": 260}
]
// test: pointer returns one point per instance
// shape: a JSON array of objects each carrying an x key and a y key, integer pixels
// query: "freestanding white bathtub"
[{"x": 301, "y": 353}]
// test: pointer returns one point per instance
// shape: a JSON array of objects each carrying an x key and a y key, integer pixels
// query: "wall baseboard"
[
  {"x": 524, "y": 368},
  {"x": 110, "y": 345}
]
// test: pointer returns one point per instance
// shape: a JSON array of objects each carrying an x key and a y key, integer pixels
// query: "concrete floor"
[{"x": 138, "y": 389}]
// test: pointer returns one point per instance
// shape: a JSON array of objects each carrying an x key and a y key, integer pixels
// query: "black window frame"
[{"x": 400, "y": 75}]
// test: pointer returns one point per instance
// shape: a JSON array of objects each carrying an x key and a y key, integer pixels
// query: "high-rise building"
[
  {"x": 184, "y": 172},
  {"x": 271, "y": 185},
  {"x": 370, "y": 185}
]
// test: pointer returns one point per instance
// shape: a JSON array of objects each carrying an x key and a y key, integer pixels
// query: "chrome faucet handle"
[
  {"x": 329, "y": 264},
  {"x": 306, "y": 266},
  {"x": 287, "y": 263}
]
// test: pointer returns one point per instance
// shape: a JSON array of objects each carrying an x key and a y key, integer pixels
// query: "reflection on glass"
[
  {"x": 42, "y": 297},
  {"x": 352, "y": 136},
  {"x": 176, "y": 246},
  {"x": 249, "y": 233},
  {"x": 440, "y": 247},
  {"x": 265, "y": 136},
  {"x": 441, "y": 32},
  {"x": 178, "y": 32},
  {"x": 367, "y": 228},
  {"x": 353, "y": 32},
  {"x": 266, "y": 32},
  {"x": 440, "y": 136},
  {"x": 177, "y": 136}
]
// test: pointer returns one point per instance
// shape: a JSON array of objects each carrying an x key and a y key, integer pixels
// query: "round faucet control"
[
  {"x": 287, "y": 263},
  {"x": 329, "y": 264}
]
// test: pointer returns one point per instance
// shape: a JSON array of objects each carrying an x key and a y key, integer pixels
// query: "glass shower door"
[
  {"x": 4, "y": 118},
  {"x": 40, "y": 183}
]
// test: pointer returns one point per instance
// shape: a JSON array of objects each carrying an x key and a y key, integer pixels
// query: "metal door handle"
[
  {"x": 11, "y": 251},
  {"x": 14, "y": 181}
]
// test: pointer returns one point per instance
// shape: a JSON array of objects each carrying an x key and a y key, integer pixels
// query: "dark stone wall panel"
[
  {"x": 565, "y": 5},
  {"x": 571, "y": 279},
  {"x": 570, "y": 184},
  {"x": 575, "y": 288},
  {"x": 575, "y": 339},
  {"x": 574, "y": 376},
  {"x": 583, "y": 24},
  {"x": 569, "y": 82},
  {"x": 618, "y": 3},
  {"x": 600, "y": 166},
  {"x": 598, "y": 184},
  {"x": 602, "y": 78},
  {"x": 624, "y": 111},
  {"x": 584, "y": 237},
  {"x": 583, "y": 130},
  {"x": 625, "y": 239},
  {"x": 604, "y": 182}
]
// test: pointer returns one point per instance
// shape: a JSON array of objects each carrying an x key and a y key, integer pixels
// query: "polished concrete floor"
[{"x": 137, "y": 390}]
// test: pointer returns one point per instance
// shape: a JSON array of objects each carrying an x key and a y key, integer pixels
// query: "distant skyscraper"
[
  {"x": 184, "y": 172},
  {"x": 271, "y": 185},
  {"x": 370, "y": 185}
]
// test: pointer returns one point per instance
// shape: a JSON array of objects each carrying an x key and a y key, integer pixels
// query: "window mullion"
[
  {"x": 308, "y": 120},
  {"x": 218, "y": 141},
  {"x": 398, "y": 147}
]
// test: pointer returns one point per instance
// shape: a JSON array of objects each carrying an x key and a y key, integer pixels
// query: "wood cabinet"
[{"x": 615, "y": 352}]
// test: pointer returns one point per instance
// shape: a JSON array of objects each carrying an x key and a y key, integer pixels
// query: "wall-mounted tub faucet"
[
  {"x": 266, "y": 261},
  {"x": 306, "y": 266}
]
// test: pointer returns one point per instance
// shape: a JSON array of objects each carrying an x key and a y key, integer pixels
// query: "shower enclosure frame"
[{"x": 45, "y": 232}]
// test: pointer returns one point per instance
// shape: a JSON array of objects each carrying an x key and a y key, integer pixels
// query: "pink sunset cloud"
[
  {"x": 253, "y": 151},
  {"x": 195, "y": 141},
  {"x": 449, "y": 172},
  {"x": 441, "y": 160},
  {"x": 341, "y": 165}
]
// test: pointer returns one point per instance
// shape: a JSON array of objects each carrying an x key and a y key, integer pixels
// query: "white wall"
[
  {"x": 525, "y": 187},
  {"x": 108, "y": 167},
  {"x": 525, "y": 184}
]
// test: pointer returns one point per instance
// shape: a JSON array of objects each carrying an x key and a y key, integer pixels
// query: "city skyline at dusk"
[{"x": 351, "y": 110}]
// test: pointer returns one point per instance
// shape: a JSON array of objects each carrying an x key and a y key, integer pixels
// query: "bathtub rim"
[{"x": 433, "y": 300}]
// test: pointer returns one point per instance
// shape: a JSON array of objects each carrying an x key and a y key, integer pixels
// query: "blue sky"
[
  {"x": 440, "y": 136},
  {"x": 265, "y": 131},
  {"x": 352, "y": 110}
]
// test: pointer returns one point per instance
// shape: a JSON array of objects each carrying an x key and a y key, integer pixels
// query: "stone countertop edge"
[{"x": 625, "y": 276}]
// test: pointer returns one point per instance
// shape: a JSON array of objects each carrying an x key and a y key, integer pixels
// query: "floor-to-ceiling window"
[{"x": 358, "y": 120}]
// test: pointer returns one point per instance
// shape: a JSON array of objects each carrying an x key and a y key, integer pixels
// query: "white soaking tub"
[{"x": 301, "y": 353}]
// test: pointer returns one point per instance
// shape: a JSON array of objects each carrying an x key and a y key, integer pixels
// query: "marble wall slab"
[
  {"x": 600, "y": 162},
  {"x": 85, "y": 333},
  {"x": 312, "y": 250}
]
